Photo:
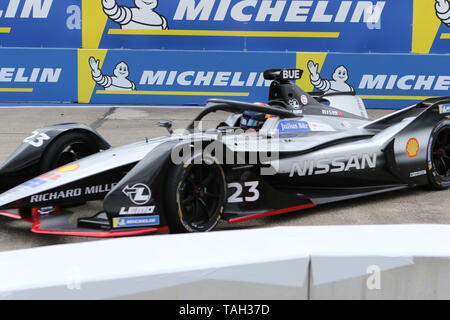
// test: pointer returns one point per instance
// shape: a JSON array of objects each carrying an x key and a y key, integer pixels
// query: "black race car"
[{"x": 297, "y": 151}]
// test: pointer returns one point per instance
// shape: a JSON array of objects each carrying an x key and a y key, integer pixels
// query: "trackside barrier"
[
  {"x": 336, "y": 262},
  {"x": 389, "y": 26},
  {"x": 40, "y": 23},
  {"x": 258, "y": 25},
  {"x": 386, "y": 81},
  {"x": 156, "y": 77}
]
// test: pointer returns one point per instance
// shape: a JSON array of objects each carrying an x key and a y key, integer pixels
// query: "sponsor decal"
[
  {"x": 392, "y": 81},
  {"x": 130, "y": 76},
  {"x": 27, "y": 23},
  {"x": 47, "y": 210},
  {"x": 418, "y": 173},
  {"x": 42, "y": 179},
  {"x": 404, "y": 82},
  {"x": 203, "y": 78},
  {"x": 304, "y": 99},
  {"x": 141, "y": 16},
  {"x": 293, "y": 126},
  {"x": 69, "y": 167},
  {"x": 244, "y": 192},
  {"x": 445, "y": 108},
  {"x": 430, "y": 26},
  {"x": 136, "y": 210},
  {"x": 34, "y": 183},
  {"x": 249, "y": 25},
  {"x": 136, "y": 221},
  {"x": 71, "y": 193},
  {"x": 117, "y": 82},
  {"x": 443, "y": 11},
  {"x": 332, "y": 113},
  {"x": 139, "y": 193},
  {"x": 37, "y": 74},
  {"x": 50, "y": 176},
  {"x": 335, "y": 165},
  {"x": 291, "y": 74},
  {"x": 412, "y": 147},
  {"x": 294, "y": 103},
  {"x": 317, "y": 126},
  {"x": 30, "y": 75},
  {"x": 283, "y": 11},
  {"x": 337, "y": 84},
  {"x": 99, "y": 189}
]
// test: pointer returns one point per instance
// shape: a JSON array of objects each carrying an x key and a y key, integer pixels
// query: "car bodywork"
[{"x": 327, "y": 151}]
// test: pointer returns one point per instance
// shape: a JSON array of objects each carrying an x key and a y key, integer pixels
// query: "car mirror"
[{"x": 166, "y": 124}]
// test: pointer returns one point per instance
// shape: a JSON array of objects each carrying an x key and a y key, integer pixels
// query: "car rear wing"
[{"x": 425, "y": 106}]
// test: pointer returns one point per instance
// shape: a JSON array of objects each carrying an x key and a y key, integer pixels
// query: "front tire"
[
  {"x": 69, "y": 147},
  {"x": 438, "y": 169},
  {"x": 195, "y": 196}
]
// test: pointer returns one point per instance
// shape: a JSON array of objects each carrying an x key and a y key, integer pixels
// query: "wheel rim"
[
  {"x": 441, "y": 154},
  {"x": 199, "y": 195},
  {"x": 72, "y": 152}
]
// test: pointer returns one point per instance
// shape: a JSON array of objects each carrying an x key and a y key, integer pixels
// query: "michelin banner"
[
  {"x": 38, "y": 75},
  {"x": 172, "y": 77},
  {"x": 254, "y": 25},
  {"x": 40, "y": 23},
  {"x": 166, "y": 77},
  {"x": 150, "y": 77},
  {"x": 382, "y": 80}
]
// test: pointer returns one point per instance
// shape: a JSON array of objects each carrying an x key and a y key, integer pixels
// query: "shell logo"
[
  {"x": 68, "y": 167},
  {"x": 412, "y": 147}
]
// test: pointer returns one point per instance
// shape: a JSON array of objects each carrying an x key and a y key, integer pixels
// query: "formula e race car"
[{"x": 297, "y": 151}]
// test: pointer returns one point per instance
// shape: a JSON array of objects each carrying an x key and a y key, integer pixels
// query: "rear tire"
[
  {"x": 195, "y": 195},
  {"x": 69, "y": 147},
  {"x": 438, "y": 159}
]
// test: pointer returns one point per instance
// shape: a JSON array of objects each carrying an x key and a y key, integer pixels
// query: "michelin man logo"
[
  {"x": 118, "y": 82},
  {"x": 338, "y": 84},
  {"x": 294, "y": 103},
  {"x": 141, "y": 16},
  {"x": 443, "y": 11}
]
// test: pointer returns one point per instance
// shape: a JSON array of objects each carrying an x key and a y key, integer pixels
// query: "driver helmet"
[{"x": 252, "y": 120}]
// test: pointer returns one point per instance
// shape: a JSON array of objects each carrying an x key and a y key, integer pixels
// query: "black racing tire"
[
  {"x": 195, "y": 196},
  {"x": 67, "y": 148},
  {"x": 438, "y": 159}
]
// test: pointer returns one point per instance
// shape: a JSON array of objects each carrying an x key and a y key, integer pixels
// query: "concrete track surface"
[{"x": 125, "y": 125}]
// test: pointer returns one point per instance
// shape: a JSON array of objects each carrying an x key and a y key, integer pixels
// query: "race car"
[{"x": 295, "y": 152}]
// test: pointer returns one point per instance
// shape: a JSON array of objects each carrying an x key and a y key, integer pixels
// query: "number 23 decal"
[
  {"x": 253, "y": 191},
  {"x": 37, "y": 139}
]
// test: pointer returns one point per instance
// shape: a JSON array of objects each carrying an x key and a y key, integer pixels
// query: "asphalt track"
[{"x": 125, "y": 125}]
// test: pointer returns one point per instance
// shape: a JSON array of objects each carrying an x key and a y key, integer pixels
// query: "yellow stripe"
[
  {"x": 94, "y": 23},
  {"x": 177, "y": 93},
  {"x": 226, "y": 33},
  {"x": 395, "y": 97},
  {"x": 302, "y": 63},
  {"x": 5, "y": 30},
  {"x": 425, "y": 26},
  {"x": 445, "y": 36},
  {"x": 16, "y": 89},
  {"x": 86, "y": 84}
]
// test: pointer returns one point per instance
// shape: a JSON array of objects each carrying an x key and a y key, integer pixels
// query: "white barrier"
[{"x": 336, "y": 262}]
